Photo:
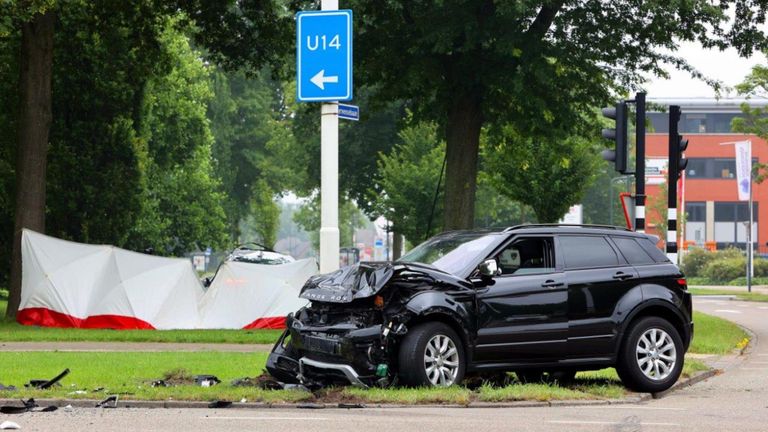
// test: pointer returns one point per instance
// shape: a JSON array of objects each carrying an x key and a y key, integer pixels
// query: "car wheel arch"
[
  {"x": 450, "y": 319},
  {"x": 655, "y": 308}
]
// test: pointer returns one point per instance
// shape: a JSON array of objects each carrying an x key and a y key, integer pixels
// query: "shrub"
[
  {"x": 695, "y": 260},
  {"x": 761, "y": 267},
  {"x": 723, "y": 270}
]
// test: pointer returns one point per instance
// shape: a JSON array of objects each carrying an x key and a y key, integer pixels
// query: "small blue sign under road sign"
[
  {"x": 324, "y": 56},
  {"x": 349, "y": 112}
]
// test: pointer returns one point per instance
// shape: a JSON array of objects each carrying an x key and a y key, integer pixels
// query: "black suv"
[{"x": 539, "y": 300}]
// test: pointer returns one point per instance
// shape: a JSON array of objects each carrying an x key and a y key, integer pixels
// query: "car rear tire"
[
  {"x": 532, "y": 376},
  {"x": 651, "y": 357},
  {"x": 431, "y": 355}
]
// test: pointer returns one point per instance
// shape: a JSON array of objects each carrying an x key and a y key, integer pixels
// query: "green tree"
[
  {"x": 534, "y": 64},
  {"x": 263, "y": 219},
  {"x": 36, "y": 21},
  {"x": 253, "y": 141},
  {"x": 350, "y": 218},
  {"x": 601, "y": 203},
  {"x": 755, "y": 119},
  {"x": 549, "y": 174},
  {"x": 409, "y": 176},
  {"x": 181, "y": 203},
  {"x": 408, "y": 180}
]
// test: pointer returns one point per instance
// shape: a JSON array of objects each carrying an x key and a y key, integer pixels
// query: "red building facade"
[{"x": 714, "y": 216}]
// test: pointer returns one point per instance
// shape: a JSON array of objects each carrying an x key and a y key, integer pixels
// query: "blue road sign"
[
  {"x": 324, "y": 56},
  {"x": 349, "y": 112}
]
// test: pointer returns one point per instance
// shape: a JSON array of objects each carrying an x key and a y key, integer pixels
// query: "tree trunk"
[
  {"x": 463, "y": 144},
  {"x": 34, "y": 124},
  {"x": 397, "y": 246}
]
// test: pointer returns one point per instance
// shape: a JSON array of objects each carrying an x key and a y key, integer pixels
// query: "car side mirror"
[{"x": 489, "y": 268}]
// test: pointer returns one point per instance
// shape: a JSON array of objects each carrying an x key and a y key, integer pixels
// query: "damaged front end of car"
[{"x": 349, "y": 333}]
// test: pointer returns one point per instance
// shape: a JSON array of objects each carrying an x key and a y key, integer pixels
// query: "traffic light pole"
[
  {"x": 329, "y": 178},
  {"x": 673, "y": 173},
  {"x": 640, "y": 162}
]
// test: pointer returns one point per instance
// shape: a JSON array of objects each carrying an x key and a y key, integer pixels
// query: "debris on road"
[
  {"x": 110, "y": 402},
  {"x": 206, "y": 380},
  {"x": 46, "y": 384},
  {"x": 9, "y": 425},
  {"x": 220, "y": 404},
  {"x": 28, "y": 405},
  {"x": 263, "y": 381}
]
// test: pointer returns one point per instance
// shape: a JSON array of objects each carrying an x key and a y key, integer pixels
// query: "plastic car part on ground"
[
  {"x": 46, "y": 384},
  {"x": 110, "y": 402},
  {"x": 9, "y": 425},
  {"x": 28, "y": 405}
]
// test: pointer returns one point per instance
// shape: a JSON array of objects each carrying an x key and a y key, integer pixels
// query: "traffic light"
[
  {"x": 677, "y": 146},
  {"x": 618, "y": 134}
]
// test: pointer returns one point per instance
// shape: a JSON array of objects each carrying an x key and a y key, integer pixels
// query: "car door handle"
[
  {"x": 551, "y": 284},
  {"x": 622, "y": 276}
]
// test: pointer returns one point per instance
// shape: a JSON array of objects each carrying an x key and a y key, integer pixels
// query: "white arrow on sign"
[{"x": 319, "y": 79}]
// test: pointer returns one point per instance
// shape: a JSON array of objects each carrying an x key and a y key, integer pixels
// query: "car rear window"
[
  {"x": 652, "y": 250},
  {"x": 632, "y": 251},
  {"x": 587, "y": 252}
]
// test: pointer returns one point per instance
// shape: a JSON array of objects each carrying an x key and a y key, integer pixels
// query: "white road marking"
[
  {"x": 762, "y": 307},
  {"x": 763, "y": 355},
  {"x": 759, "y": 362},
  {"x": 728, "y": 311},
  {"x": 265, "y": 418},
  {"x": 632, "y": 407},
  {"x": 577, "y": 422},
  {"x": 751, "y": 368},
  {"x": 743, "y": 305}
]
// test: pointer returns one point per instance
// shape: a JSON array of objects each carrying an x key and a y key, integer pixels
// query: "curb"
[
  {"x": 681, "y": 385},
  {"x": 716, "y": 296},
  {"x": 631, "y": 399}
]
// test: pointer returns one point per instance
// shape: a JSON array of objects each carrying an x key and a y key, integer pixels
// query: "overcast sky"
[{"x": 725, "y": 66}]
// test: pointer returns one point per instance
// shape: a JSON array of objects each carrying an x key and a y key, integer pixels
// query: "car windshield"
[{"x": 450, "y": 253}]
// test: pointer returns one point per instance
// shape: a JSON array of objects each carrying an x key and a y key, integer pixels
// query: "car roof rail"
[{"x": 558, "y": 225}]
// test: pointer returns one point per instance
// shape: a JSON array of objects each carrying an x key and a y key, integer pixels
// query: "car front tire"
[
  {"x": 431, "y": 355},
  {"x": 651, "y": 357}
]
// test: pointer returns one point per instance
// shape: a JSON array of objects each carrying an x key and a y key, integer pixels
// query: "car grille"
[{"x": 318, "y": 344}]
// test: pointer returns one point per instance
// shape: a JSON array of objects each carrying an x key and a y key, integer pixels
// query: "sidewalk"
[
  {"x": 760, "y": 289},
  {"x": 130, "y": 347}
]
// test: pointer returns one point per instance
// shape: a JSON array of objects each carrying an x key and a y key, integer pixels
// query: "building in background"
[{"x": 714, "y": 216}]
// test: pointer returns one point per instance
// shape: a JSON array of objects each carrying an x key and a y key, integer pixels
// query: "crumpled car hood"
[{"x": 365, "y": 280}]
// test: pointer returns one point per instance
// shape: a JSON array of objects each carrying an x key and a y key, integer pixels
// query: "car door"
[
  {"x": 522, "y": 315},
  {"x": 598, "y": 277}
]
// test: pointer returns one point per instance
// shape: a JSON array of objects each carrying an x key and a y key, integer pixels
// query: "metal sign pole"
[
  {"x": 329, "y": 178},
  {"x": 750, "y": 248},
  {"x": 640, "y": 162}
]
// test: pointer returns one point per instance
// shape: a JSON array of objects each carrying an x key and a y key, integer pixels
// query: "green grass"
[
  {"x": 130, "y": 375},
  {"x": 740, "y": 281},
  {"x": 3, "y": 306},
  {"x": 713, "y": 335},
  {"x": 741, "y": 295},
  {"x": 14, "y": 332}
]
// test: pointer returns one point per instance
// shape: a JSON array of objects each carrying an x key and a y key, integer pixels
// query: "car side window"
[
  {"x": 531, "y": 255},
  {"x": 587, "y": 252},
  {"x": 632, "y": 251}
]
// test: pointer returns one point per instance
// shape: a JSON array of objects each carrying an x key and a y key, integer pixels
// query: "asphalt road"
[{"x": 734, "y": 401}]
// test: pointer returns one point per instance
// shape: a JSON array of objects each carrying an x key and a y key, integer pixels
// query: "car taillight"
[{"x": 683, "y": 283}]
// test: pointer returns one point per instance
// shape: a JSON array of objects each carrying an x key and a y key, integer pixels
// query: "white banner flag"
[{"x": 744, "y": 168}]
